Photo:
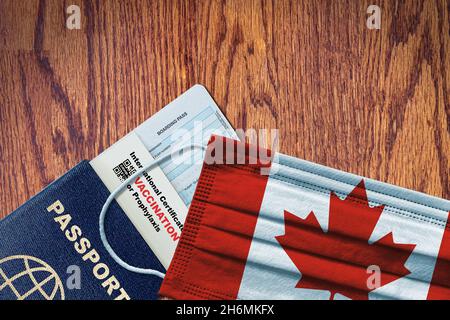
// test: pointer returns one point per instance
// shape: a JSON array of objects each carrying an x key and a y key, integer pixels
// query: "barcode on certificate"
[{"x": 124, "y": 170}]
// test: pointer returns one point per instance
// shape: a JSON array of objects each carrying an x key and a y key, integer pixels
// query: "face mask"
[{"x": 305, "y": 231}]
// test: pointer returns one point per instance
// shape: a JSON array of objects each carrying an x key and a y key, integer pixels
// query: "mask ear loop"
[{"x": 118, "y": 190}]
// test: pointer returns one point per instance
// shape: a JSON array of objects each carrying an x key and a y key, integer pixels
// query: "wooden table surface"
[{"x": 372, "y": 102}]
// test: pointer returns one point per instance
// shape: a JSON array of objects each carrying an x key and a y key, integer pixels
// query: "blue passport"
[{"x": 50, "y": 247}]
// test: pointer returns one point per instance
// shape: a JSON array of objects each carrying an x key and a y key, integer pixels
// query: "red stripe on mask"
[
  {"x": 440, "y": 285},
  {"x": 210, "y": 258}
]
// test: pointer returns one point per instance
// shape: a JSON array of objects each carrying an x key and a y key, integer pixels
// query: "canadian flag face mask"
[{"x": 306, "y": 231}]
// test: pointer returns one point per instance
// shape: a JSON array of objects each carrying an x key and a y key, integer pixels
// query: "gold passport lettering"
[{"x": 82, "y": 246}]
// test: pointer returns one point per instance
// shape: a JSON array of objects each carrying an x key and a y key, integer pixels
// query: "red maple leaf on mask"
[{"x": 338, "y": 260}]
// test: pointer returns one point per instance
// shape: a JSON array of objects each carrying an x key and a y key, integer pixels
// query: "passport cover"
[{"x": 45, "y": 239}]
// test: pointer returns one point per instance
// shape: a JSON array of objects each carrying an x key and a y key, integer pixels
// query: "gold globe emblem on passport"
[{"x": 25, "y": 277}]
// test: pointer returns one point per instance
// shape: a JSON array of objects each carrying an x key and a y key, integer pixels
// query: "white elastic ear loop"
[{"x": 113, "y": 195}]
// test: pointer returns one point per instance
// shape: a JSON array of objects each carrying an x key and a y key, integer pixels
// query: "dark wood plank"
[{"x": 372, "y": 102}]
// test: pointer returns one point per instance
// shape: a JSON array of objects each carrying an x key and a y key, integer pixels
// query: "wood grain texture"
[{"x": 372, "y": 102}]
